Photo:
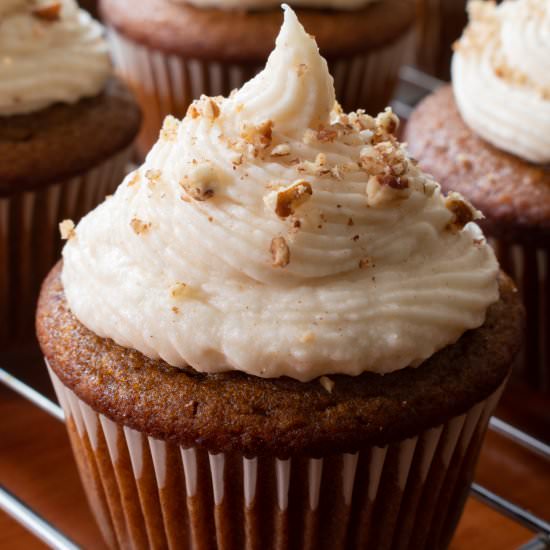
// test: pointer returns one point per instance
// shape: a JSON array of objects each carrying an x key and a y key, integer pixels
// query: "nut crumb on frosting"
[
  {"x": 292, "y": 197},
  {"x": 169, "y": 130},
  {"x": 307, "y": 337},
  {"x": 67, "y": 230},
  {"x": 364, "y": 263},
  {"x": 281, "y": 150},
  {"x": 201, "y": 182},
  {"x": 258, "y": 135},
  {"x": 327, "y": 383},
  {"x": 180, "y": 290},
  {"x": 280, "y": 253},
  {"x": 48, "y": 12},
  {"x": 463, "y": 212},
  {"x": 140, "y": 227},
  {"x": 134, "y": 179},
  {"x": 153, "y": 176},
  {"x": 385, "y": 189}
]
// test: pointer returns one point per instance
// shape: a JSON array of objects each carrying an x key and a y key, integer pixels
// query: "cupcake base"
[{"x": 150, "y": 493}]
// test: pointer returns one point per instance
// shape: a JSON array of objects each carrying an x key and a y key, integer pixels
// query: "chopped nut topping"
[
  {"x": 134, "y": 179},
  {"x": 327, "y": 383},
  {"x": 463, "y": 212},
  {"x": 280, "y": 253},
  {"x": 180, "y": 291},
  {"x": 192, "y": 111},
  {"x": 318, "y": 168},
  {"x": 48, "y": 12},
  {"x": 259, "y": 135},
  {"x": 307, "y": 337},
  {"x": 384, "y": 189},
  {"x": 210, "y": 109},
  {"x": 302, "y": 69},
  {"x": 153, "y": 176},
  {"x": 387, "y": 123},
  {"x": 201, "y": 182},
  {"x": 169, "y": 130},
  {"x": 326, "y": 135},
  {"x": 139, "y": 226},
  {"x": 292, "y": 197},
  {"x": 364, "y": 263},
  {"x": 67, "y": 230},
  {"x": 176, "y": 310},
  {"x": 281, "y": 150}
]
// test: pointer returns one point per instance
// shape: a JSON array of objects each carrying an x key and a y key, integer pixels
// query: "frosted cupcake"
[
  {"x": 66, "y": 126},
  {"x": 278, "y": 333},
  {"x": 489, "y": 138},
  {"x": 172, "y": 51}
]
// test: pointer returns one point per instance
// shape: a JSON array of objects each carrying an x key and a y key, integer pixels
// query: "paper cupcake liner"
[
  {"x": 148, "y": 493},
  {"x": 529, "y": 266},
  {"x": 166, "y": 83},
  {"x": 439, "y": 24},
  {"x": 30, "y": 243}
]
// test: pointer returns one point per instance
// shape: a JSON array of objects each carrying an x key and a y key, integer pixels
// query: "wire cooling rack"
[{"x": 414, "y": 85}]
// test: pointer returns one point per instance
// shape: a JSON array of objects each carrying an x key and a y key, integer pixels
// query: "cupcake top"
[
  {"x": 271, "y": 233},
  {"x": 49, "y": 52},
  {"x": 265, "y": 4},
  {"x": 501, "y": 76}
]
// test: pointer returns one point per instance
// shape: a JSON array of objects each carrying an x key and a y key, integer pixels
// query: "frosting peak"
[
  {"x": 49, "y": 52},
  {"x": 269, "y": 232},
  {"x": 295, "y": 90},
  {"x": 501, "y": 75}
]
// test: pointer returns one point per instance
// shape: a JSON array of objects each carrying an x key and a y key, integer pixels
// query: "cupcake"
[
  {"x": 172, "y": 51},
  {"x": 439, "y": 24},
  {"x": 488, "y": 138},
  {"x": 278, "y": 333},
  {"x": 66, "y": 126}
]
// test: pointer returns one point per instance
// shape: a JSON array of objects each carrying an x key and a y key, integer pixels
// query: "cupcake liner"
[
  {"x": 529, "y": 266},
  {"x": 167, "y": 83},
  {"x": 440, "y": 23},
  {"x": 148, "y": 493},
  {"x": 30, "y": 242}
]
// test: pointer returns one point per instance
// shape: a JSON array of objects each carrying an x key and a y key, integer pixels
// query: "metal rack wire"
[{"x": 414, "y": 86}]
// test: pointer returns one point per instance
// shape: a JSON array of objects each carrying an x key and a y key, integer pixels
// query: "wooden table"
[{"x": 36, "y": 464}]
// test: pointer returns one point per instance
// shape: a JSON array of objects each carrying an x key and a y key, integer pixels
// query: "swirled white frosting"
[
  {"x": 266, "y": 4},
  {"x": 45, "y": 58},
  {"x": 501, "y": 76},
  {"x": 270, "y": 233}
]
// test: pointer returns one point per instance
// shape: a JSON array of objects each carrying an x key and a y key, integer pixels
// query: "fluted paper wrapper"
[
  {"x": 439, "y": 24},
  {"x": 148, "y": 493},
  {"x": 166, "y": 84},
  {"x": 529, "y": 266},
  {"x": 30, "y": 243}
]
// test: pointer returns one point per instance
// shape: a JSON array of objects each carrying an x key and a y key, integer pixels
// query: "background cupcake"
[
  {"x": 439, "y": 24},
  {"x": 66, "y": 127},
  {"x": 171, "y": 51},
  {"x": 219, "y": 328},
  {"x": 488, "y": 137}
]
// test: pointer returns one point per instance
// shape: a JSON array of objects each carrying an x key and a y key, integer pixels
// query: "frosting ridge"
[
  {"x": 501, "y": 76},
  {"x": 49, "y": 52},
  {"x": 269, "y": 232}
]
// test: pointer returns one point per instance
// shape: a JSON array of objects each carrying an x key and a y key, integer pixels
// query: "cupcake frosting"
[
  {"x": 265, "y": 4},
  {"x": 49, "y": 52},
  {"x": 271, "y": 233},
  {"x": 501, "y": 76}
]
